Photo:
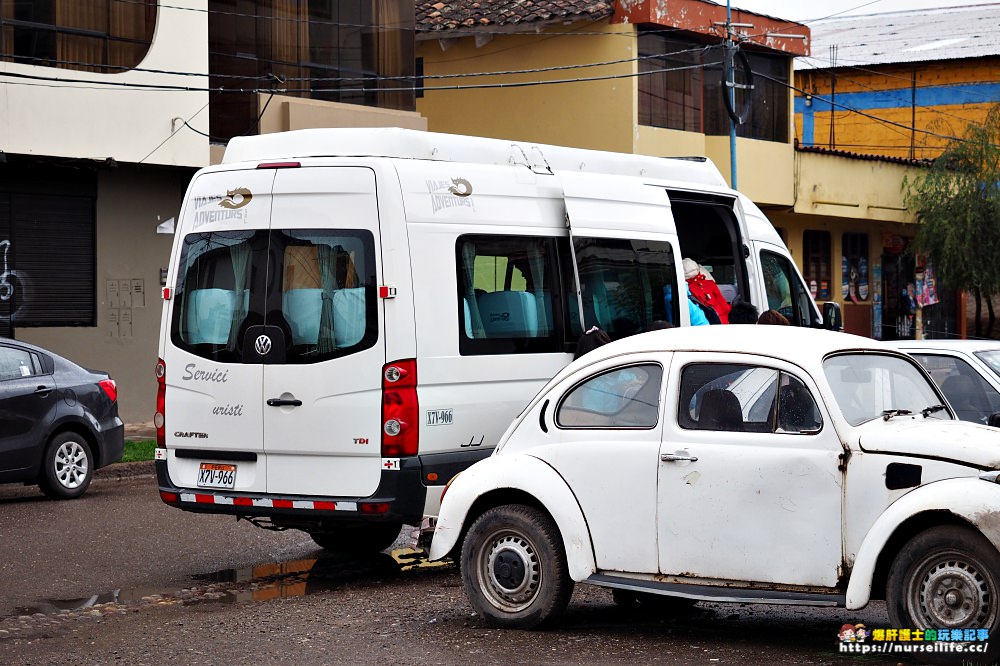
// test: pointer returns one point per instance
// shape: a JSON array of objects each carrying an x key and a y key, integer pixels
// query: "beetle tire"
[
  {"x": 514, "y": 568},
  {"x": 947, "y": 577}
]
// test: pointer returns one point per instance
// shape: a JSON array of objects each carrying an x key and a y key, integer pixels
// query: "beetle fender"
[
  {"x": 971, "y": 499},
  {"x": 529, "y": 475}
]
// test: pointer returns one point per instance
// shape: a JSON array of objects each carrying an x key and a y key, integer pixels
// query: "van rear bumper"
[{"x": 399, "y": 498}]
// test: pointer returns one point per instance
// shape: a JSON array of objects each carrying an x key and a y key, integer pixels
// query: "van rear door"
[
  {"x": 213, "y": 394},
  {"x": 322, "y": 375}
]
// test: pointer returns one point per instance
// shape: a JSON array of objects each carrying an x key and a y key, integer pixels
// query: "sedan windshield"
[
  {"x": 992, "y": 359},
  {"x": 868, "y": 386}
]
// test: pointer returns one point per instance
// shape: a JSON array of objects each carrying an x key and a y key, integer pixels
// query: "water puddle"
[{"x": 292, "y": 578}]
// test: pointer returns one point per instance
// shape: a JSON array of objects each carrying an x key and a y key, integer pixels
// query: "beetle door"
[{"x": 749, "y": 486}]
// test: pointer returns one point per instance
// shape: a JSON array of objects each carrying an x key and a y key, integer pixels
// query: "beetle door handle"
[
  {"x": 283, "y": 402},
  {"x": 674, "y": 457}
]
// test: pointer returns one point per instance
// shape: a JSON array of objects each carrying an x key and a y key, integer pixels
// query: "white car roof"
[
  {"x": 950, "y": 345},
  {"x": 780, "y": 341}
]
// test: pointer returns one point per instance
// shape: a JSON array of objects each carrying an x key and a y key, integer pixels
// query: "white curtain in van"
[
  {"x": 327, "y": 257},
  {"x": 239, "y": 255}
]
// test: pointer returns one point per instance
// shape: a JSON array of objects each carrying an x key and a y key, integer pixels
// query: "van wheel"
[
  {"x": 357, "y": 538},
  {"x": 947, "y": 577},
  {"x": 67, "y": 467},
  {"x": 514, "y": 567},
  {"x": 647, "y": 601}
]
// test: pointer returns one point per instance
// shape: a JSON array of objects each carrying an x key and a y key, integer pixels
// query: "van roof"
[{"x": 395, "y": 142}]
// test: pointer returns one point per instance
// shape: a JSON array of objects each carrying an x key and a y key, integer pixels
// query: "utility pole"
[{"x": 731, "y": 85}]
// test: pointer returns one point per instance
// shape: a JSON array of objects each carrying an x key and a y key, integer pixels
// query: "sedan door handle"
[
  {"x": 283, "y": 402},
  {"x": 43, "y": 390},
  {"x": 674, "y": 457}
]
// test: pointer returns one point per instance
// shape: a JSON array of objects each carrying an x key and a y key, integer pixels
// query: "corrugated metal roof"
[{"x": 923, "y": 35}]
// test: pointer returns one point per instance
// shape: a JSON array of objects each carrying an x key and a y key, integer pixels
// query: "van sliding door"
[{"x": 625, "y": 252}]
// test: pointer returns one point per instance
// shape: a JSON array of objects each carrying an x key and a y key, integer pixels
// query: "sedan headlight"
[{"x": 993, "y": 476}]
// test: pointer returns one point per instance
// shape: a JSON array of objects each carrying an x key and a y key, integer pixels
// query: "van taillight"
[
  {"x": 160, "y": 417},
  {"x": 400, "y": 412},
  {"x": 110, "y": 388}
]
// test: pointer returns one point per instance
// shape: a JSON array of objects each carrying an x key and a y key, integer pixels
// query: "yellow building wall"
[
  {"x": 949, "y": 95},
  {"x": 587, "y": 114}
]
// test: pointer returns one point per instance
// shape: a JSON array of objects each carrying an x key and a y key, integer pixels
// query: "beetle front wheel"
[
  {"x": 514, "y": 567},
  {"x": 948, "y": 577}
]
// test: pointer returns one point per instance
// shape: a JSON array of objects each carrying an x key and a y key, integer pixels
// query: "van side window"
[
  {"x": 785, "y": 291},
  {"x": 621, "y": 398},
  {"x": 508, "y": 295},
  {"x": 626, "y": 285}
]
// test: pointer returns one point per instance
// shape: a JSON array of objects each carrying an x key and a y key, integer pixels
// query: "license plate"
[{"x": 217, "y": 475}]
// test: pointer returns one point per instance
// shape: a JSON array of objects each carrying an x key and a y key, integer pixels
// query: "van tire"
[
  {"x": 958, "y": 570},
  {"x": 514, "y": 567},
  {"x": 357, "y": 538}
]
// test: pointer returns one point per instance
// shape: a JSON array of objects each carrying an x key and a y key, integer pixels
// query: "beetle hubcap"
[
  {"x": 512, "y": 573},
  {"x": 950, "y": 590},
  {"x": 71, "y": 465}
]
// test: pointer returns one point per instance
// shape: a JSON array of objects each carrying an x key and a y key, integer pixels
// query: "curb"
[{"x": 129, "y": 470}]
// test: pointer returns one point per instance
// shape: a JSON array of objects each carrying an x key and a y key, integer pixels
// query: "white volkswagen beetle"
[{"x": 761, "y": 464}]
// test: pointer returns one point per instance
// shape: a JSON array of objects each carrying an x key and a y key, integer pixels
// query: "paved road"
[{"x": 120, "y": 578}]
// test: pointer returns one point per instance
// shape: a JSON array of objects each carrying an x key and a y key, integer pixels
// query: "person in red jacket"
[{"x": 704, "y": 290}]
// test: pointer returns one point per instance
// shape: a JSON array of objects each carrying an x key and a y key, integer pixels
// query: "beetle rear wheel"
[
  {"x": 947, "y": 577},
  {"x": 514, "y": 567}
]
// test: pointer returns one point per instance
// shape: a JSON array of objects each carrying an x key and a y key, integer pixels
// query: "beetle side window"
[
  {"x": 621, "y": 398},
  {"x": 16, "y": 363},
  {"x": 745, "y": 398},
  {"x": 972, "y": 398}
]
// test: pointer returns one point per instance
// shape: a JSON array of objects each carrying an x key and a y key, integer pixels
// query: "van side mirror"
[
  {"x": 832, "y": 318},
  {"x": 994, "y": 420}
]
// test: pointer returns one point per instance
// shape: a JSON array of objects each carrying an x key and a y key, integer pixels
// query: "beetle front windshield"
[{"x": 867, "y": 386}]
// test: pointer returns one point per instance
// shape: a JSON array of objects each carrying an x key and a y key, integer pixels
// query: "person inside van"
[
  {"x": 743, "y": 312},
  {"x": 591, "y": 340},
  {"x": 773, "y": 317}
]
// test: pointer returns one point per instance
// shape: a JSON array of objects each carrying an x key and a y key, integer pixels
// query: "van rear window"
[{"x": 317, "y": 286}]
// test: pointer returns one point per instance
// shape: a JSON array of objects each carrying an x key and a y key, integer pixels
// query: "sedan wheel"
[
  {"x": 514, "y": 567},
  {"x": 68, "y": 467},
  {"x": 947, "y": 577}
]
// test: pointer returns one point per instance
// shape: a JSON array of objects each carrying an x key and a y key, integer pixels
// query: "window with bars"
[
  {"x": 855, "y": 267},
  {"x": 816, "y": 263},
  {"x": 670, "y": 88}
]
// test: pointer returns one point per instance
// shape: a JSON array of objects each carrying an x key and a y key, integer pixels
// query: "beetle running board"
[{"x": 720, "y": 594}]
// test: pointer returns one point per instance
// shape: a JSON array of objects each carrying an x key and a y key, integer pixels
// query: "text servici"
[{"x": 193, "y": 374}]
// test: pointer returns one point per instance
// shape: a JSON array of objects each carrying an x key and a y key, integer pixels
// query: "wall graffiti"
[
  {"x": 15, "y": 290},
  {"x": 6, "y": 288}
]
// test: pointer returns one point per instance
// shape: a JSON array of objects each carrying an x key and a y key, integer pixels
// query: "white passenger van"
[{"x": 353, "y": 316}]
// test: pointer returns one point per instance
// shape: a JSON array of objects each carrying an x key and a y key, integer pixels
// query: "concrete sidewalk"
[{"x": 139, "y": 431}]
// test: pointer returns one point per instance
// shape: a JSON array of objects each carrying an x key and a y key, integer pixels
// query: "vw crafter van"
[{"x": 353, "y": 316}]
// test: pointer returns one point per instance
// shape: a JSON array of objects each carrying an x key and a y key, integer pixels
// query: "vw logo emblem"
[{"x": 262, "y": 344}]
